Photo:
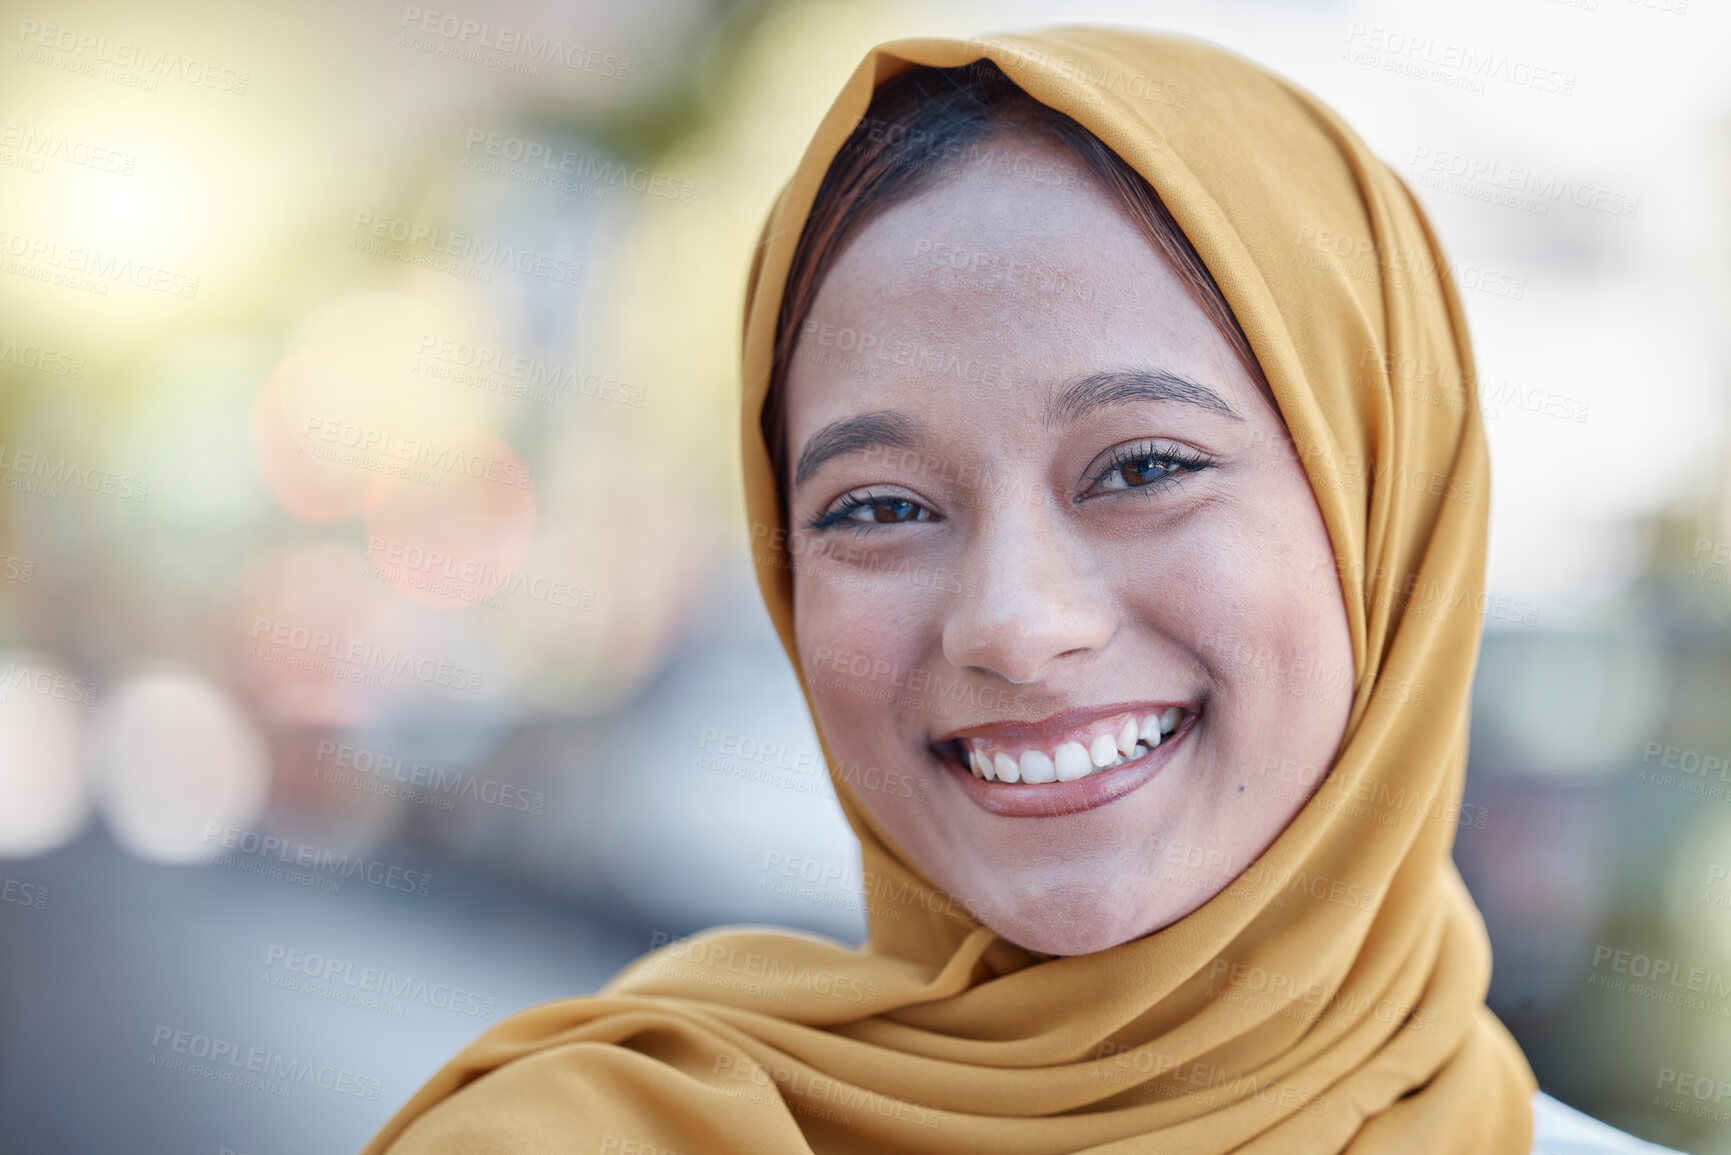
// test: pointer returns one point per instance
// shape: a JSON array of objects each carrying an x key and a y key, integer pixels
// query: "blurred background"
[{"x": 378, "y": 650}]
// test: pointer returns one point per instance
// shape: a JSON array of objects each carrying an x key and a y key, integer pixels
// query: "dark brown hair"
[{"x": 925, "y": 123}]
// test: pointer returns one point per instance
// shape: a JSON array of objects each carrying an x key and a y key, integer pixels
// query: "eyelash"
[
  {"x": 837, "y": 514},
  {"x": 1186, "y": 460},
  {"x": 1176, "y": 461}
]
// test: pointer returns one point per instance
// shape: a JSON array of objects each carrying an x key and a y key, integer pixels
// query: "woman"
[{"x": 1123, "y": 587}]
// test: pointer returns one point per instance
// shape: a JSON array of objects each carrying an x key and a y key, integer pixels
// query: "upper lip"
[{"x": 1049, "y": 729}]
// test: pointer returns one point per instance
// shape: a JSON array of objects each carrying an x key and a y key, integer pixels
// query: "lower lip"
[{"x": 1054, "y": 799}]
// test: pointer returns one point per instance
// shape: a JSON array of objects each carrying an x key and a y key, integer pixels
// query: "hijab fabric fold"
[{"x": 1278, "y": 1017}]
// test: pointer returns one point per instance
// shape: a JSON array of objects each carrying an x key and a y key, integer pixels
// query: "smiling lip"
[
  {"x": 1052, "y": 799},
  {"x": 1052, "y": 728}
]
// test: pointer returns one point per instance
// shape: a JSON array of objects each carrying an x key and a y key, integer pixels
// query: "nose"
[{"x": 1028, "y": 608}]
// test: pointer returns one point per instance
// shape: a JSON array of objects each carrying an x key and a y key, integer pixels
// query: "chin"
[{"x": 1072, "y": 927}]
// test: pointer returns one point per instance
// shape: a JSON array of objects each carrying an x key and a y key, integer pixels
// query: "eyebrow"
[
  {"x": 1064, "y": 403},
  {"x": 1084, "y": 395},
  {"x": 886, "y": 427}
]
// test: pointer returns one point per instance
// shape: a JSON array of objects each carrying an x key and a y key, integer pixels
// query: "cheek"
[
  {"x": 1235, "y": 581},
  {"x": 858, "y": 661},
  {"x": 1252, "y": 595},
  {"x": 1288, "y": 664},
  {"x": 857, "y": 646}
]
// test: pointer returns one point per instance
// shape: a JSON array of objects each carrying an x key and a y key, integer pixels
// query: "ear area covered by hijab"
[{"x": 1250, "y": 1025}]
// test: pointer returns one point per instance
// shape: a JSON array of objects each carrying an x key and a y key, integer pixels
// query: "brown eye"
[
  {"x": 861, "y": 511},
  {"x": 1143, "y": 471},
  {"x": 1148, "y": 468},
  {"x": 894, "y": 509}
]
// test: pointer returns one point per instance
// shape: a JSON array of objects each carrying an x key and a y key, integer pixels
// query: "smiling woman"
[
  {"x": 1057, "y": 443},
  {"x": 1122, "y": 509}
]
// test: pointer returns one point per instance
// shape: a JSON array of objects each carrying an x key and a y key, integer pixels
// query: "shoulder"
[{"x": 1559, "y": 1129}]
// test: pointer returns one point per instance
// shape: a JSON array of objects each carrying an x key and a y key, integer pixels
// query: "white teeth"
[
  {"x": 1148, "y": 730},
  {"x": 1036, "y": 767},
  {"x": 1071, "y": 762},
  {"x": 978, "y": 764},
  {"x": 1074, "y": 760}
]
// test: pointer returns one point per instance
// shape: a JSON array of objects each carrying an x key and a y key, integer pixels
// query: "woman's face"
[{"x": 1045, "y": 526}]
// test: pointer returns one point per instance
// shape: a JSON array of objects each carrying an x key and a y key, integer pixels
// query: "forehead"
[{"x": 1010, "y": 274}]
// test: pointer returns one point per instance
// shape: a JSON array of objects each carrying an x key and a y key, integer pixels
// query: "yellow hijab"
[{"x": 1288, "y": 1014}]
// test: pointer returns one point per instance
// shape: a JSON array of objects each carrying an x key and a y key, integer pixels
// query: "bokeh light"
[
  {"x": 43, "y": 799},
  {"x": 174, "y": 758}
]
